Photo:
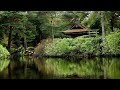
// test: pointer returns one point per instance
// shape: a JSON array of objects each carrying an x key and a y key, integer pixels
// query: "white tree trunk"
[{"x": 103, "y": 25}]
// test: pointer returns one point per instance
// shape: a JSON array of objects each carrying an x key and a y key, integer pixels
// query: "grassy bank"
[{"x": 80, "y": 46}]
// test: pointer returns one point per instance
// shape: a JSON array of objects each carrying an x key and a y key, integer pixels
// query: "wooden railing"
[{"x": 93, "y": 32}]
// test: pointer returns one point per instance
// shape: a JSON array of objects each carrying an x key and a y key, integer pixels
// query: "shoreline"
[{"x": 78, "y": 56}]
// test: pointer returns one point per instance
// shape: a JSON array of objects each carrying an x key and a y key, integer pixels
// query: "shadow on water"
[{"x": 58, "y": 68}]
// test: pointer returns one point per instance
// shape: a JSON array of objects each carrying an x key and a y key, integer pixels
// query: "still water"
[{"x": 58, "y": 68}]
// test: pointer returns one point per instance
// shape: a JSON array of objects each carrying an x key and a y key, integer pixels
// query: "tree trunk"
[
  {"x": 112, "y": 21},
  {"x": 52, "y": 26},
  {"x": 38, "y": 37},
  {"x": 25, "y": 43},
  {"x": 52, "y": 29},
  {"x": 103, "y": 30},
  {"x": 17, "y": 40},
  {"x": 103, "y": 25},
  {"x": 9, "y": 38}
]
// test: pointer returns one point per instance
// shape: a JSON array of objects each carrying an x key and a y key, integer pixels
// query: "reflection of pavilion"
[{"x": 78, "y": 30}]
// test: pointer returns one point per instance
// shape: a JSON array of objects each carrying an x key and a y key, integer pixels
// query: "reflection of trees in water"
[
  {"x": 41, "y": 66},
  {"x": 3, "y": 64},
  {"x": 114, "y": 69},
  {"x": 110, "y": 67},
  {"x": 3, "y": 68},
  {"x": 22, "y": 69},
  {"x": 96, "y": 68},
  {"x": 29, "y": 68},
  {"x": 14, "y": 67}
]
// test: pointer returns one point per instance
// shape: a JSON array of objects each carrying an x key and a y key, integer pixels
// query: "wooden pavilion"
[{"x": 77, "y": 30}]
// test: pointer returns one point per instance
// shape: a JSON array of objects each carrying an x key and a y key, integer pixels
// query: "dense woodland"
[{"x": 41, "y": 30}]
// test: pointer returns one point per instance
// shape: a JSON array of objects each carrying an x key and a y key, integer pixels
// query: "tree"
[
  {"x": 15, "y": 24},
  {"x": 102, "y": 24},
  {"x": 10, "y": 20}
]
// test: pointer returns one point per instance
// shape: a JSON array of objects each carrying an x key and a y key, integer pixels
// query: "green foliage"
[
  {"x": 3, "y": 52},
  {"x": 30, "y": 48},
  {"x": 59, "y": 47},
  {"x": 64, "y": 46},
  {"x": 112, "y": 43},
  {"x": 92, "y": 68},
  {"x": 30, "y": 27},
  {"x": 90, "y": 45},
  {"x": 93, "y": 21},
  {"x": 4, "y": 64}
]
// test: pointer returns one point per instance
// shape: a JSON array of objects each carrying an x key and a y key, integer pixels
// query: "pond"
[{"x": 59, "y": 68}]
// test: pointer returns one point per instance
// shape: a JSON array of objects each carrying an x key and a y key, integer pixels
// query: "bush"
[
  {"x": 59, "y": 47},
  {"x": 3, "y": 52},
  {"x": 39, "y": 50},
  {"x": 112, "y": 43},
  {"x": 68, "y": 45},
  {"x": 83, "y": 46},
  {"x": 88, "y": 45}
]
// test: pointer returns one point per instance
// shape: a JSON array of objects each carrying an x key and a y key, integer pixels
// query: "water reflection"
[
  {"x": 95, "y": 68},
  {"x": 58, "y": 68},
  {"x": 3, "y": 64},
  {"x": 23, "y": 69}
]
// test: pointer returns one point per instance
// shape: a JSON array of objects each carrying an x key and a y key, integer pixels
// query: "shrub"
[
  {"x": 83, "y": 45},
  {"x": 39, "y": 50},
  {"x": 3, "y": 52},
  {"x": 59, "y": 47},
  {"x": 112, "y": 43},
  {"x": 89, "y": 45},
  {"x": 67, "y": 45}
]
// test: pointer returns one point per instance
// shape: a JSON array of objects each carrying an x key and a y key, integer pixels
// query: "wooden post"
[
  {"x": 96, "y": 33},
  {"x": 89, "y": 33}
]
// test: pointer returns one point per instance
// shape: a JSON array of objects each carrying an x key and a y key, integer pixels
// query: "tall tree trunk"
[
  {"x": 52, "y": 31},
  {"x": 39, "y": 36},
  {"x": 103, "y": 30},
  {"x": 52, "y": 25},
  {"x": 112, "y": 21},
  {"x": 103, "y": 25},
  {"x": 112, "y": 25},
  {"x": 25, "y": 43},
  {"x": 9, "y": 38},
  {"x": 17, "y": 40}
]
